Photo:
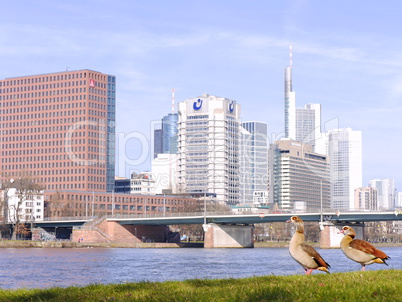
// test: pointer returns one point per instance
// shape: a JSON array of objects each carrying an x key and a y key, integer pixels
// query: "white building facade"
[
  {"x": 27, "y": 208},
  {"x": 345, "y": 153},
  {"x": 308, "y": 124},
  {"x": 164, "y": 168},
  {"x": 254, "y": 162},
  {"x": 366, "y": 199},
  {"x": 209, "y": 147},
  {"x": 142, "y": 183}
]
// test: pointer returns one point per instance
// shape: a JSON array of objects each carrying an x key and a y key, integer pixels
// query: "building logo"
[
  {"x": 197, "y": 105},
  {"x": 91, "y": 83},
  {"x": 231, "y": 106}
]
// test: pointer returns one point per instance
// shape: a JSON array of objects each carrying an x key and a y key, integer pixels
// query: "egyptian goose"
[
  {"x": 359, "y": 250},
  {"x": 303, "y": 253}
]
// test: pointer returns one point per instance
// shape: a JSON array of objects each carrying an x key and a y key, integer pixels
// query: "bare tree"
[
  {"x": 57, "y": 206},
  {"x": 25, "y": 188}
]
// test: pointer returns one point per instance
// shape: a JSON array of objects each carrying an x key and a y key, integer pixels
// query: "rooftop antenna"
[
  {"x": 172, "y": 100},
  {"x": 290, "y": 56}
]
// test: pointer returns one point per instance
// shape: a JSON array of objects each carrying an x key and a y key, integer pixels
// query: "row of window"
[{"x": 53, "y": 78}]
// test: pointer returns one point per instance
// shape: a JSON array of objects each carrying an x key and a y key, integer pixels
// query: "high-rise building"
[
  {"x": 290, "y": 105},
  {"x": 308, "y": 124},
  {"x": 366, "y": 199},
  {"x": 253, "y": 161},
  {"x": 60, "y": 128},
  {"x": 208, "y": 147},
  {"x": 299, "y": 178},
  {"x": 169, "y": 133},
  {"x": 386, "y": 192},
  {"x": 158, "y": 142},
  {"x": 301, "y": 124},
  {"x": 345, "y": 153}
]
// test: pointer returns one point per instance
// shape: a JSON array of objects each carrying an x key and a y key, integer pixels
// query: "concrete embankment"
[{"x": 70, "y": 244}]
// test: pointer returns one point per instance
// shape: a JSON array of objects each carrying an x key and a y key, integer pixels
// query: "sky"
[{"x": 346, "y": 56}]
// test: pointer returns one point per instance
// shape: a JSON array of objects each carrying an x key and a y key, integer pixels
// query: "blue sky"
[{"x": 346, "y": 56}]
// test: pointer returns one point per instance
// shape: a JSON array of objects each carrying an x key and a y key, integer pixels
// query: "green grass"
[{"x": 384, "y": 285}]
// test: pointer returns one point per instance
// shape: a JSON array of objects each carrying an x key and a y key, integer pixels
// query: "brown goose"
[
  {"x": 305, "y": 254},
  {"x": 359, "y": 250}
]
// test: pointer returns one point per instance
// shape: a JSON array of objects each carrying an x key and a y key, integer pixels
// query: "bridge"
[
  {"x": 263, "y": 216},
  {"x": 236, "y": 227}
]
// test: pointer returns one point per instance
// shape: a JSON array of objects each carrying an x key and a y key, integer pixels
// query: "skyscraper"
[
  {"x": 60, "y": 128},
  {"x": 301, "y": 124},
  {"x": 254, "y": 161},
  {"x": 308, "y": 124},
  {"x": 169, "y": 133},
  {"x": 208, "y": 147},
  {"x": 345, "y": 153},
  {"x": 290, "y": 105},
  {"x": 158, "y": 142},
  {"x": 386, "y": 192}
]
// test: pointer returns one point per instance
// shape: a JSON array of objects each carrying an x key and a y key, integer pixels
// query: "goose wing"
[
  {"x": 367, "y": 248},
  {"x": 314, "y": 254}
]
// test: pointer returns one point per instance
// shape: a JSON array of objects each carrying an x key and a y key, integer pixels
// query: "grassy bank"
[{"x": 385, "y": 285}]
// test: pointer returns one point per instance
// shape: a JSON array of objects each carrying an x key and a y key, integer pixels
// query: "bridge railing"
[
  {"x": 81, "y": 218},
  {"x": 233, "y": 213},
  {"x": 325, "y": 211}
]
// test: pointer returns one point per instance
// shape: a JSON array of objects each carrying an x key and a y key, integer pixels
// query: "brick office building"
[
  {"x": 59, "y": 128},
  {"x": 88, "y": 204}
]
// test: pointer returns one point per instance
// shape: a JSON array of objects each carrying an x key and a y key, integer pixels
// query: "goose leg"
[{"x": 309, "y": 271}]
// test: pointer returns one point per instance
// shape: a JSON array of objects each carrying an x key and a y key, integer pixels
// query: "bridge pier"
[
  {"x": 112, "y": 231},
  {"x": 329, "y": 237},
  {"x": 228, "y": 236}
]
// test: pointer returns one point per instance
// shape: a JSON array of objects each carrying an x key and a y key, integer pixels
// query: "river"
[{"x": 62, "y": 267}]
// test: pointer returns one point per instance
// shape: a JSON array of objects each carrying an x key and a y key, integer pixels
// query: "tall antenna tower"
[{"x": 290, "y": 56}]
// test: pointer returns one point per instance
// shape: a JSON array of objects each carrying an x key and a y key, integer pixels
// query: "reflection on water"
[{"x": 43, "y": 268}]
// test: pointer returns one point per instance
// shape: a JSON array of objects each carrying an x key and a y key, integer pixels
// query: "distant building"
[
  {"x": 27, "y": 208},
  {"x": 89, "y": 204},
  {"x": 142, "y": 183},
  {"x": 308, "y": 124},
  {"x": 169, "y": 133},
  {"x": 122, "y": 185},
  {"x": 260, "y": 197},
  {"x": 165, "y": 139},
  {"x": 399, "y": 202},
  {"x": 290, "y": 105},
  {"x": 386, "y": 192},
  {"x": 366, "y": 199},
  {"x": 208, "y": 147},
  {"x": 253, "y": 161},
  {"x": 164, "y": 169},
  {"x": 158, "y": 142},
  {"x": 345, "y": 153},
  {"x": 301, "y": 124},
  {"x": 299, "y": 178}
]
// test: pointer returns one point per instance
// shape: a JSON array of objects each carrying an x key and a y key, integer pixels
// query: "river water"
[{"x": 50, "y": 267}]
